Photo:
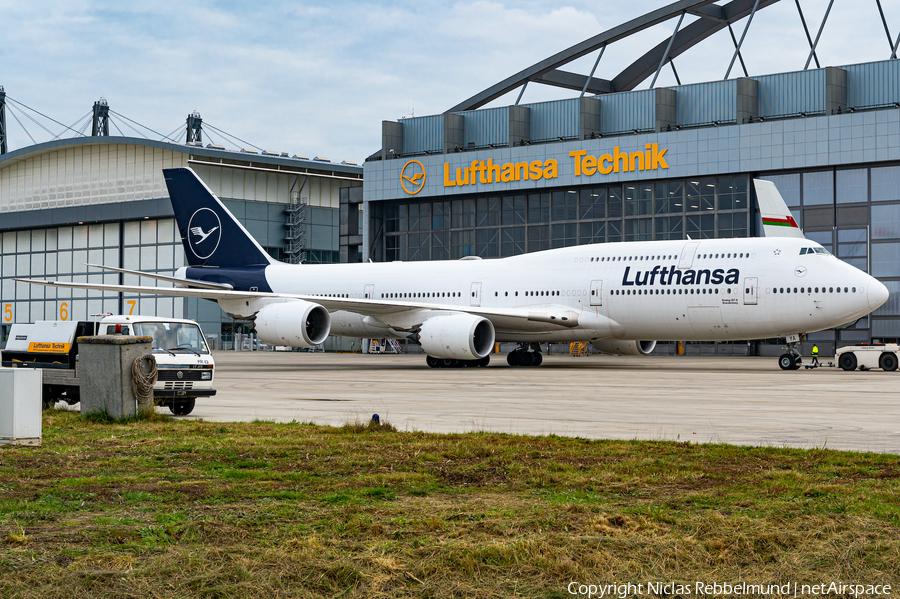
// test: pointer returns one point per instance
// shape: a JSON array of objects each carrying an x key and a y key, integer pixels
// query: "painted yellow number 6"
[
  {"x": 7, "y": 312},
  {"x": 132, "y": 304},
  {"x": 64, "y": 311}
]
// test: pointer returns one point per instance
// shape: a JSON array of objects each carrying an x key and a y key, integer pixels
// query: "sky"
[{"x": 317, "y": 78}]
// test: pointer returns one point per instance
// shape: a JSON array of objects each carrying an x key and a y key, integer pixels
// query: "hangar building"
[
  {"x": 102, "y": 200},
  {"x": 619, "y": 164}
]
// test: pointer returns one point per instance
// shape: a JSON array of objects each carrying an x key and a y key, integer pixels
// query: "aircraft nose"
[{"x": 877, "y": 294}]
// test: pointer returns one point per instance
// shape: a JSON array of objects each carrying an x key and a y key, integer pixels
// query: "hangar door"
[{"x": 596, "y": 293}]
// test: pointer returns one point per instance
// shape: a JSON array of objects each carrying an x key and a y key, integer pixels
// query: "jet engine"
[
  {"x": 459, "y": 336},
  {"x": 295, "y": 323},
  {"x": 625, "y": 348}
]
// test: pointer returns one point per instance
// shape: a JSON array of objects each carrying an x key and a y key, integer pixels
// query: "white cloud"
[{"x": 318, "y": 78}]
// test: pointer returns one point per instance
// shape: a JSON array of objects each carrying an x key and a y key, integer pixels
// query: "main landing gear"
[
  {"x": 522, "y": 356},
  {"x": 791, "y": 360},
  {"x": 452, "y": 363}
]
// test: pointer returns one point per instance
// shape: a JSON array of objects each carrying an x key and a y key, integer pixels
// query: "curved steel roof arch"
[{"x": 713, "y": 19}]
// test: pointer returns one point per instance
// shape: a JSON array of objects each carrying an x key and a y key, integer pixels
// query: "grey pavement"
[{"x": 746, "y": 401}]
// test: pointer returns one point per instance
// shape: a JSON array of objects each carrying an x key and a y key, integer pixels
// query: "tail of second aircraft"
[
  {"x": 777, "y": 220},
  {"x": 211, "y": 235}
]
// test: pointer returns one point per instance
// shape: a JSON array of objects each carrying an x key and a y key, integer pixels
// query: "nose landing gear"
[{"x": 791, "y": 360}]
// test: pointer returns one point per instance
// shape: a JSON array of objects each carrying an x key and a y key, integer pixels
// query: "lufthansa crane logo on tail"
[
  {"x": 204, "y": 233},
  {"x": 412, "y": 177}
]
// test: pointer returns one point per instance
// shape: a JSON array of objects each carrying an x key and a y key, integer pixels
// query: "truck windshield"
[{"x": 173, "y": 336}]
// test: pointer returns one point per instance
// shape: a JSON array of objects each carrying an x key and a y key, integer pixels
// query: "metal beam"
[
  {"x": 743, "y": 35},
  {"x": 665, "y": 55},
  {"x": 887, "y": 31},
  {"x": 591, "y": 76},
  {"x": 897, "y": 43},
  {"x": 806, "y": 30},
  {"x": 710, "y": 11},
  {"x": 575, "y": 81},
  {"x": 521, "y": 93},
  {"x": 740, "y": 56},
  {"x": 677, "y": 78},
  {"x": 688, "y": 37},
  {"x": 818, "y": 35},
  {"x": 589, "y": 45}
]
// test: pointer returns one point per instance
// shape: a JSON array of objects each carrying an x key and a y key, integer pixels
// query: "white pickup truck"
[
  {"x": 184, "y": 363},
  {"x": 868, "y": 356}
]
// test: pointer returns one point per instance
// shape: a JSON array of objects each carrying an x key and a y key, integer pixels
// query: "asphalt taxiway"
[{"x": 746, "y": 401}]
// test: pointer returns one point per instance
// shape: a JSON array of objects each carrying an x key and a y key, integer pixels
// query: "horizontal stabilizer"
[{"x": 777, "y": 220}]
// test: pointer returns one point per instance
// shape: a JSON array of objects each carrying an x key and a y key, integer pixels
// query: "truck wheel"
[
  {"x": 182, "y": 407},
  {"x": 848, "y": 361},
  {"x": 888, "y": 361}
]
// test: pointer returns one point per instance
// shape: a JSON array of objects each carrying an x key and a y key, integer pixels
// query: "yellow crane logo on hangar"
[{"x": 413, "y": 175}]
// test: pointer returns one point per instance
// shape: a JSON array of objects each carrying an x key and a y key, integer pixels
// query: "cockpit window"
[{"x": 814, "y": 251}]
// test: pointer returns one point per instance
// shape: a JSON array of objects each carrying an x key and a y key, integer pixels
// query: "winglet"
[{"x": 777, "y": 220}]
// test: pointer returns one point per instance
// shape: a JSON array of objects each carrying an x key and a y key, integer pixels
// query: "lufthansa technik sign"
[{"x": 486, "y": 172}]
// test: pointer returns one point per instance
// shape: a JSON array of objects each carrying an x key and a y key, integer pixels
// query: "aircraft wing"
[{"x": 369, "y": 307}]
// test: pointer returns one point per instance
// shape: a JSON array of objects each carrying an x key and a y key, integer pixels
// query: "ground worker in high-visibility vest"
[{"x": 815, "y": 355}]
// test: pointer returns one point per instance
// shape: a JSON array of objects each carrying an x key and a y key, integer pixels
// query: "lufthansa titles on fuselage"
[{"x": 670, "y": 275}]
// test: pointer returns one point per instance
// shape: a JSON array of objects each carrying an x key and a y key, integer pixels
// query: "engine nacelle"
[
  {"x": 625, "y": 348},
  {"x": 295, "y": 323},
  {"x": 459, "y": 336}
]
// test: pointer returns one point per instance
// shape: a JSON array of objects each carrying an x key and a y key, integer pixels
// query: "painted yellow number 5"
[
  {"x": 64, "y": 311},
  {"x": 131, "y": 303},
  {"x": 7, "y": 312}
]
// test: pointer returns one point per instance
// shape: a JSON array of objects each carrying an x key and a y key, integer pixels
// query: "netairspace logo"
[{"x": 621, "y": 590}]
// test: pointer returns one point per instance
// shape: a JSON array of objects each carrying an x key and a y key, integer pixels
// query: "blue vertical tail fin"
[{"x": 211, "y": 235}]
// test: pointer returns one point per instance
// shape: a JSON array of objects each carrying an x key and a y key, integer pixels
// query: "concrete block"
[
  {"x": 20, "y": 406},
  {"x": 105, "y": 363}
]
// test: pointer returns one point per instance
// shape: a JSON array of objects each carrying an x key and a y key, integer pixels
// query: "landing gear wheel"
[
  {"x": 538, "y": 359},
  {"x": 182, "y": 407},
  {"x": 888, "y": 362},
  {"x": 848, "y": 362},
  {"x": 787, "y": 362},
  {"x": 449, "y": 363},
  {"x": 512, "y": 358},
  {"x": 433, "y": 362},
  {"x": 798, "y": 362},
  {"x": 527, "y": 359}
]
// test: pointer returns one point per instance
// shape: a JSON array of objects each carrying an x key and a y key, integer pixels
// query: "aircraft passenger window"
[
  {"x": 831, "y": 290},
  {"x": 506, "y": 294},
  {"x": 845, "y": 290},
  {"x": 717, "y": 292},
  {"x": 854, "y": 290},
  {"x": 517, "y": 294},
  {"x": 795, "y": 290}
]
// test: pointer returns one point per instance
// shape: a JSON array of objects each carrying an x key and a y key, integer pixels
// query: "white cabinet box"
[{"x": 20, "y": 406}]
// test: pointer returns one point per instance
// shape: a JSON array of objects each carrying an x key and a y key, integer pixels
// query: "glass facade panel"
[
  {"x": 512, "y": 241},
  {"x": 818, "y": 188},
  {"x": 886, "y": 184},
  {"x": 592, "y": 203},
  {"x": 886, "y": 221},
  {"x": 852, "y": 186},
  {"x": 592, "y": 232},
  {"x": 886, "y": 260}
]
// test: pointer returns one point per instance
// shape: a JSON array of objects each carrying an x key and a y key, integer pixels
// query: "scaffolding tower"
[
  {"x": 295, "y": 222},
  {"x": 194, "y": 129}
]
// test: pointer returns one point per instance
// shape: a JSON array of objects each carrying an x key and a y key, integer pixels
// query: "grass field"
[{"x": 171, "y": 508}]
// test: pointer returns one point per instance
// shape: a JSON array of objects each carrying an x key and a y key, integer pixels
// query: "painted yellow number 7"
[{"x": 132, "y": 304}]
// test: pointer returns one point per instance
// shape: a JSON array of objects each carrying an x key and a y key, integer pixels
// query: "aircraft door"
[
  {"x": 751, "y": 290},
  {"x": 687, "y": 254},
  {"x": 370, "y": 292},
  {"x": 475, "y": 299},
  {"x": 596, "y": 293}
]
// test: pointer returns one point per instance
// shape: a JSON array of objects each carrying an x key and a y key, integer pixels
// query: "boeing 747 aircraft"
[{"x": 621, "y": 297}]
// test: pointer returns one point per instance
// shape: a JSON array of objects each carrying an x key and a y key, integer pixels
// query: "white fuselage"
[{"x": 717, "y": 289}]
